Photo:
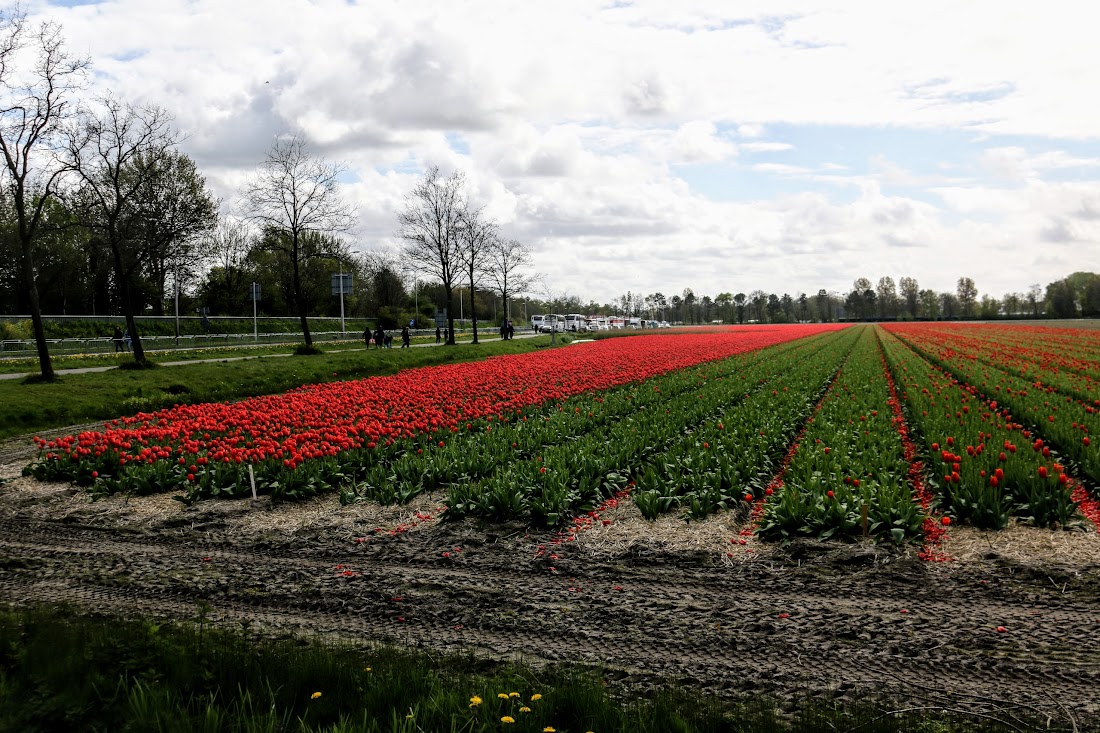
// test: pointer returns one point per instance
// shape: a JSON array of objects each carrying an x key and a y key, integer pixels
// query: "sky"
[{"x": 657, "y": 145}]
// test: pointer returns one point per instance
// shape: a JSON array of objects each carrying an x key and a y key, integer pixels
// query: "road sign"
[
  {"x": 441, "y": 318},
  {"x": 254, "y": 291},
  {"x": 342, "y": 283}
]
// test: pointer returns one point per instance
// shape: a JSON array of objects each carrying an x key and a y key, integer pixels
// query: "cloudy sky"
[{"x": 656, "y": 145}]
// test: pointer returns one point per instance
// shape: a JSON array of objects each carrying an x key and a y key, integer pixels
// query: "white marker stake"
[{"x": 252, "y": 478}]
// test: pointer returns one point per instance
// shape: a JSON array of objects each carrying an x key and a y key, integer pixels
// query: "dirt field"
[{"x": 649, "y": 602}]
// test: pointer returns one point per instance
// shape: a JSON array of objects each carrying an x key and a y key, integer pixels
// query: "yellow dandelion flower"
[
  {"x": 314, "y": 696},
  {"x": 502, "y": 695},
  {"x": 536, "y": 696},
  {"x": 507, "y": 719},
  {"x": 366, "y": 669},
  {"x": 475, "y": 701},
  {"x": 513, "y": 694},
  {"x": 549, "y": 729},
  {"x": 525, "y": 709}
]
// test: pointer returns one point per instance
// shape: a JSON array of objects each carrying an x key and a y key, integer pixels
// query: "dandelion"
[
  {"x": 549, "y": 729},
  {"x": 507, "y": 719},
  {"x": 513, "y": 694},
  {"x": 535, "y": 697},
  {"x": 502, "y": 695},
  {"x": 366, "y": 669},
  {"x": 314, "y": 696},
  {"x": 525, "y": 709},
  {"x": 475, "y": 701}
]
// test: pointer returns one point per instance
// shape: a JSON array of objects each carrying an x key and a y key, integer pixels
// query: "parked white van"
[
  {"x": 537, "y": 322},
  {"x": 575, "y": 322}
]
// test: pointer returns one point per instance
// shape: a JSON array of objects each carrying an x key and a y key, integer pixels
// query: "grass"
[
  {"x": 29, "y": 406},
  {"x": 63, "y": 671}
]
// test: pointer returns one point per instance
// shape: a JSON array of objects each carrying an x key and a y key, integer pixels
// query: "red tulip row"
[
  {"x": 204, "y": 449},
  {"x": 990, "y": 465},
  {"x": 1063, "y": 419},
  {"x": 1046, "y": 366}
]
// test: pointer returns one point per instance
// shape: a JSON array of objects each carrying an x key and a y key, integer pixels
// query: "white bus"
[{"x": 575, "y": 322}]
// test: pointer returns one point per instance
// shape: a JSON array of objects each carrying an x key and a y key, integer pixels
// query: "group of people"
[
  {"x": 383, "y": 340},
  {"x": 121, "y": 339}
]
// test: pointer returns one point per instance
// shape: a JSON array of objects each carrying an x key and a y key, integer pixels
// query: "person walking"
[
  {"x": 366, "y": 336},
  {"x": 379, "y": 337},
  {"x": 405, "y": 337},
  {"x": 438, "y": 334},
  {"x": 117, "y": 339},
  {"x": 126, "y": 339},
  {"x": 511, "y": 330}
]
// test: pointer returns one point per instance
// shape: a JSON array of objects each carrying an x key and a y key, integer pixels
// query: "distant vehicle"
[
  {"x": 552, "y": 322},
  {"x": 598, "y": 324},
  {"x": 634, "y": 323},
  {"x": 617, "y": 323},
  {"x": 537, "y": 322},
  {"x": 575, "y": 322},
  {"x": 664, "y": 324}
]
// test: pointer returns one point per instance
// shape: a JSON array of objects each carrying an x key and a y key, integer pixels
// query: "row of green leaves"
[
  {"x": 574, "y": 476},
  {"x": 851, "y": 457}
]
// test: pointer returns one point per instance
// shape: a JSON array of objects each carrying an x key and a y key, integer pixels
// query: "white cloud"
[{"x": 575, "y": 115}]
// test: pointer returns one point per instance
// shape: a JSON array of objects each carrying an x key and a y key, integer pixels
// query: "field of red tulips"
[
  {"x": 818, "y": 431},
  {"x": 719, "y": 505}
]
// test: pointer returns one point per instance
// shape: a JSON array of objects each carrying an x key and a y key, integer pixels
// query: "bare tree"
[
  {"x": 887, "y": 298},
  {"x": 35, "y": 103},
  {"x": 1035, "y": 298},
  {"x": 225, "y": 249},
  {"x": 910, "y": 292},
  {"x": 430, "y": 224},
  {"x": 118, "y": 152},
  {"x": 966, "y": 293},
  {"x": 506, "y": 257},
  {"x": 298, "y": 194},
  {"x": 476, "y": 238}
]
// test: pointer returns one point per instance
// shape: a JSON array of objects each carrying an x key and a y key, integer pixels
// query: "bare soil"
[{"x": 647, "y": 603}]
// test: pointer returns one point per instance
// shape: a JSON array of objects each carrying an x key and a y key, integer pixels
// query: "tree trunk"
[
  {"x": 298, "y": 299},
  {"x": 44, "y": 363},
  {"x": 123, "y": 278}
]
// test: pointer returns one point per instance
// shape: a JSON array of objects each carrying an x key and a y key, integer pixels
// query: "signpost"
[
  {"x": 342, "y": 284},
  {"x": 254, "y": 290}
]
